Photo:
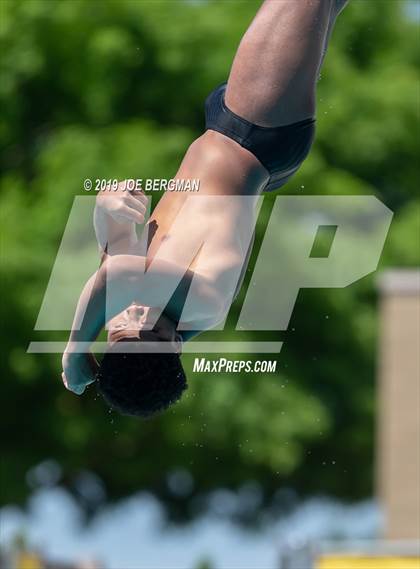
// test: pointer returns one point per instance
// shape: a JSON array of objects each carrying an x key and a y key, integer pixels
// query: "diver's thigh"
[{"x": 274, "y": 73}]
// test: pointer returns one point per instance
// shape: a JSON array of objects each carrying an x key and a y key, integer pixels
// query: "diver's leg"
[{"x": 274, "y": 73}]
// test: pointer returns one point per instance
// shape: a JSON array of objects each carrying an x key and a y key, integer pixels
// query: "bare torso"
[
  {"x": 224, "y": 168},
  {"x": 226, "y": 171}
]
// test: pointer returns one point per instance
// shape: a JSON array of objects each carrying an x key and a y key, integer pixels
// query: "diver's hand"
[
  {"x": 79, "y": 370},
  {"x": 122, "y": 204}
]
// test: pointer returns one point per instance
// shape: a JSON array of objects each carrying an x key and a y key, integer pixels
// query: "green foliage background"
[{"x": 115, "y": 89}]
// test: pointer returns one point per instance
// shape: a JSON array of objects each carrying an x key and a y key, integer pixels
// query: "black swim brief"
[{"x": 281, "y": 150}]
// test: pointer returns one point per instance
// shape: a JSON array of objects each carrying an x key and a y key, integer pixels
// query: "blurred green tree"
[{"x": 113, "y": 88}]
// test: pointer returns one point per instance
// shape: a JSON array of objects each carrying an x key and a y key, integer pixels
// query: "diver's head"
[{"x": 141, "y": 383}]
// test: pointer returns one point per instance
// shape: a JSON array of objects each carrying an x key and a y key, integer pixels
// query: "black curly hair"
[{"x": 141, "y": 384}]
